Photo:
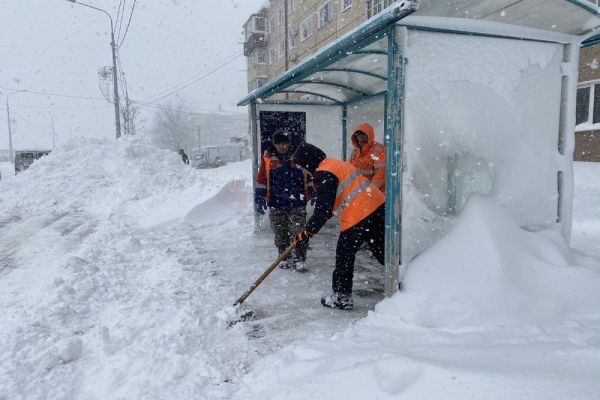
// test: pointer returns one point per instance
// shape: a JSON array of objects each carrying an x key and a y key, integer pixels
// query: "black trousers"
[{"x": 371, "y": 230}]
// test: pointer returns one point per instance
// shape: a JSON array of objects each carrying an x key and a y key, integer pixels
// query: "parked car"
[{"x": 24, "y": 158}]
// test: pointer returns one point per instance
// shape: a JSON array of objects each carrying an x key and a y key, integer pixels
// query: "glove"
[
  {"x": 302, "y": 236},
  {"x": 260, "y": 200}
]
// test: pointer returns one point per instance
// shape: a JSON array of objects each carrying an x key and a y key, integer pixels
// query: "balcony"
[
  {"x": 256, "y": 33},
  {"x": 257, "y": 40}
]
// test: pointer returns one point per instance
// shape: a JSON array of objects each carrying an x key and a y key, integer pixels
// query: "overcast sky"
[{"x": 54, "y": 46}]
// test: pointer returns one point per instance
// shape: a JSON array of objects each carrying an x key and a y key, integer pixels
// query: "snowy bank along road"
[{"x": 119, "y": 265}]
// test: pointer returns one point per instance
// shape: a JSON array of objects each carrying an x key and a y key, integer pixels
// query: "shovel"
[{"x": 250, "y": 314}]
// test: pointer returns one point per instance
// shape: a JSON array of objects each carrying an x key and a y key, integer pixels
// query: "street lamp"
[
  {"x": 114, "y": 67},
  {"x": 11, "y": 155}
]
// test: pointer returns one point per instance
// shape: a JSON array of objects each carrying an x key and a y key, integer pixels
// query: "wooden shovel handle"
[{"x": 262, "y": 277}]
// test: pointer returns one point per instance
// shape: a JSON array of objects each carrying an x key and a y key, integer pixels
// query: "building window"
[
  {"x": 259, "y": 56},
  {"x": 346, "y": 4},
  {"x": 291, "y": 7},
  {"x": 588, "y": 105},
  {"x": 280, "y": 16},
  {"x": 258, "y": 82},
  {"x": 325, "y": 14},
  {"x": 271, "y": 24},
  {"x": 262, "y": 56},
  {"x": 306, "y": 29},
  {"x": 292, "y": 38},
  {"x": 271, "y": 55},
  {"x": 280, "y": 48},
  {"x": 374, "y": 7},
  {"x": 260, "y": 24}
]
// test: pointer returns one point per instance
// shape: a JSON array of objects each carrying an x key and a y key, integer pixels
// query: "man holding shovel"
[{"x": 342, "y": 190}]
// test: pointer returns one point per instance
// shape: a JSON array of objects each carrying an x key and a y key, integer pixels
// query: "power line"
[
  {"x": 19, "y": 117},
  {"x": 128, "y": 22},
  {"x": 54, "y": 94},
  {"x": 60, "y": 108},
  {"x": 120, "y": 15},
  {"x": 191, "y": 82},
  {"x": 122, "y": 80}
]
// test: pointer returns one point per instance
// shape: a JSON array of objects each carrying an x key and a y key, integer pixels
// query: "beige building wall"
[{"x": 285, "y": 21}]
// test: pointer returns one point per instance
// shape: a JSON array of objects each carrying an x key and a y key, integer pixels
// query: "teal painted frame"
[
  {"x": 393, "y": 146},
  {"x": 360, "y": 38}
]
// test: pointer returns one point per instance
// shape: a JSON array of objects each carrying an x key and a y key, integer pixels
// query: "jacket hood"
[
  {"x": 369, "y": 130},
  {"x": 309, "y": 156}
]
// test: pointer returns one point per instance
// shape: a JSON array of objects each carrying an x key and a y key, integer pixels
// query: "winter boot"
[
  {"x": 300, "y": 266},
  {"x": 286, "y": 264},
  {"x": 338, "y": 300}
]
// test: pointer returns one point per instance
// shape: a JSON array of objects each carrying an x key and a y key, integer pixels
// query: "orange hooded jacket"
[
  {"x": 356, "y": 196},
  {"x": 370, "y": 159}
]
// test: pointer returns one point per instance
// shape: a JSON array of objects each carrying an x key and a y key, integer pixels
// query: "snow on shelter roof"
[{"x": 356, "y": 66}]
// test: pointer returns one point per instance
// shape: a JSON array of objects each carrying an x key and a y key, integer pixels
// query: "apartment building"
[{"x": 284, "y": 32}]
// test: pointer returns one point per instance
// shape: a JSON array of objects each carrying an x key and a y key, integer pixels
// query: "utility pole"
[
  {"x": 113, "y": 47},
  {"x": 115, "y": 81},
  {"x": 11, "y": 156}
]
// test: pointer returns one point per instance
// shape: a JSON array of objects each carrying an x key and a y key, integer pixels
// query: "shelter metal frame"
[{"x": 314, "y": 77}]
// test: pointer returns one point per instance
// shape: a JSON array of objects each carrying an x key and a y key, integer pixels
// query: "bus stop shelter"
[{"x": 469, "y": 97}]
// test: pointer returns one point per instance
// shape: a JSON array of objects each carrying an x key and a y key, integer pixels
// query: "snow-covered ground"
[
  {"x": 119, "y": 265},
  {"x": 6, "y": 170}
]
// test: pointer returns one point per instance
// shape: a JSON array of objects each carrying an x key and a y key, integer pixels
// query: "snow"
[{"x": 119, "y": 265}]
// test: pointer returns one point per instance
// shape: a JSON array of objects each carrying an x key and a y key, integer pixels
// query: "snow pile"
[
  {"x": 106, "y": 294},
  {"x": 491, "y": 311},
  {"x": 118, "y": 266},
  {"x": 490, "y": 272},
  {"x": 100, "y": 178}
]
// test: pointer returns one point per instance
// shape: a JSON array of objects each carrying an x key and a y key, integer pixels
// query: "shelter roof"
[{"x": 356, "y": 66}]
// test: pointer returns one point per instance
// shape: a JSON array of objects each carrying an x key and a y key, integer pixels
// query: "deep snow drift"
[{"x": 118, "y": 267}]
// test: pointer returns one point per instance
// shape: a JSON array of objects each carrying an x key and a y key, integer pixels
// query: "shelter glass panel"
[
  {"x": 561, "y": 15},
  {"x": 476, "y": 111}
]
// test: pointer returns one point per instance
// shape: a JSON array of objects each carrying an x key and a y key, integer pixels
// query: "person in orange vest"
[
  {"x": 284, "y": 189},
  {"x": 343, "y": 191},
  {"x": 368, "y": 156}
]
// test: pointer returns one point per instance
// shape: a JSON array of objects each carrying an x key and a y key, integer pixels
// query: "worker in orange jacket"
[
  {"x": 368, "y": 156},
  {"x": 342, "y": 190}
]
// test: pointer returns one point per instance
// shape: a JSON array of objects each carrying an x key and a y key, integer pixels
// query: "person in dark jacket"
[
  {"x": 283, "y": 187},
  {"x": 341, "y": 189},
  {"x": 184, "y": 157}
]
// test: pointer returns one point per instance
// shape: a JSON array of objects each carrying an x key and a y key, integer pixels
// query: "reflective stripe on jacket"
[{"x": 356, "y": 196}]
